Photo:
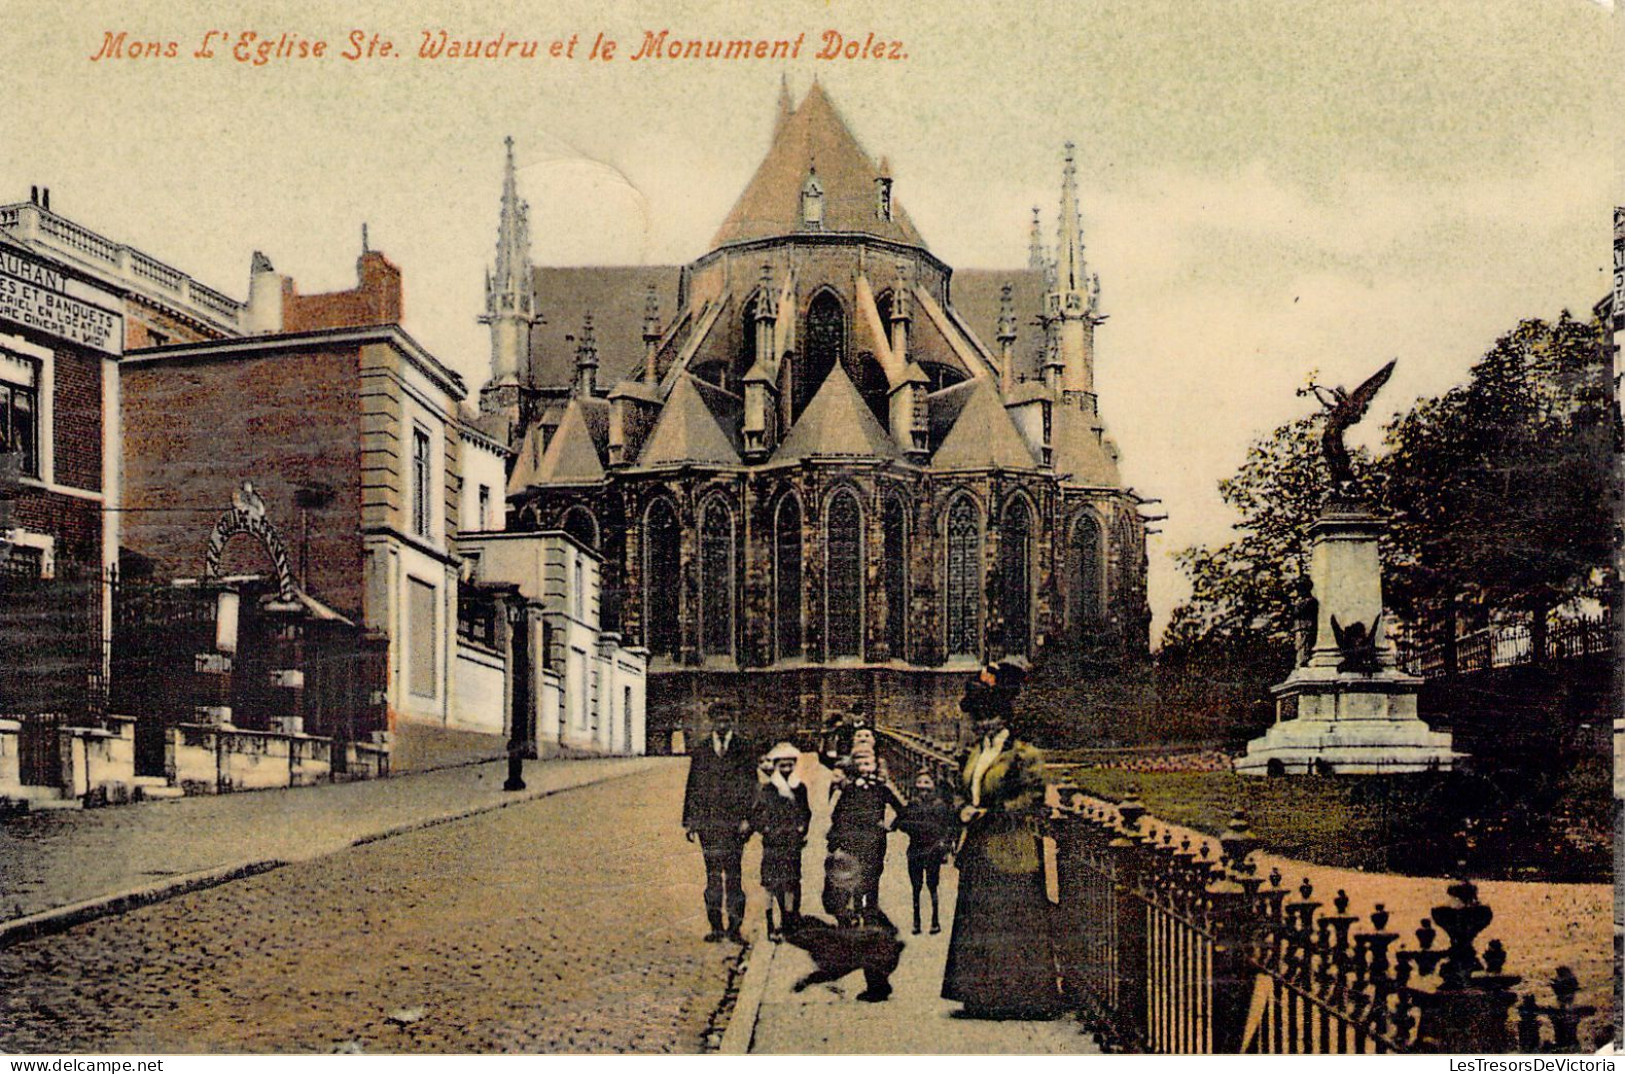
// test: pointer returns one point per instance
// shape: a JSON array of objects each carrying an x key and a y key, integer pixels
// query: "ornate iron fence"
[
  {"x": 166, "y": 667},
  {"x": 1508, "y": 645},
  {"x": 1175, "y": 945},
  {"x": 50, "y": 657}
]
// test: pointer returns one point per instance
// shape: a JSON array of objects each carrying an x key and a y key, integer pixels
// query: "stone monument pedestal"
[{"x": 1348, "y": 709}]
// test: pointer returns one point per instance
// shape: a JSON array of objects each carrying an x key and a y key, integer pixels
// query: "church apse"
[{"x": 811, "y": 479}]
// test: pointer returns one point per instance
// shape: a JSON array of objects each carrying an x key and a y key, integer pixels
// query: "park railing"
[
  {"x": 906, "y": 753},
  {"x": 1172, "y": 945},
  {"x": 1508, "y": 644}
]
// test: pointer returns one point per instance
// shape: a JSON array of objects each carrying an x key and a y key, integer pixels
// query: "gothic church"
[{"x": 811, "y": 479}]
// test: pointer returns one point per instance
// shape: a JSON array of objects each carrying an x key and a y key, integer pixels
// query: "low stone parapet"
[
  {"x": 11, "y": 773},
  {"x": 221, "y": 760},
  {"x": 98, "y": 763},
  {"x": 310, "y": 760},
  {"x": 368, "y": 760}
]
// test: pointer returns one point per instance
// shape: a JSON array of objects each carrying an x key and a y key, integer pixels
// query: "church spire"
[
  {"x": 586, "y": 384},
  {"x": 1007, "y": 340},
  {"x": 1070, "y": 305},
  {"x": 1072, "y": 273},
  {"x": 510, "y": 299},
  {"x": 1037, "y": 259}
]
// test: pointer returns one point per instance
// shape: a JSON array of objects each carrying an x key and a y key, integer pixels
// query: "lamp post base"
[{"x": 515, "y": 781}]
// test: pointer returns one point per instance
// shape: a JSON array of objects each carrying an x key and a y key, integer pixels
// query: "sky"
[{"x": 1269, "y": 189}]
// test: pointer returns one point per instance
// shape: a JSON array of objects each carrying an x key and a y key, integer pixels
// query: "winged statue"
[{"x": 1344, "y": 409}]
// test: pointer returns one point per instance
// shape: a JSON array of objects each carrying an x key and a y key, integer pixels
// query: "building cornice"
[
  {"x": 470, "y": 432},
  {"x": 486, "y": 536},
  {"x": 821, "y": 238},
  {"x": 389, "y": 334}
]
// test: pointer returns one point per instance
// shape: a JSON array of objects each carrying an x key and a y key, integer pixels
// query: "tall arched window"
[
  {"x": 843, "y": 576},
  {"x": 787, "y": 578},
  {"x": 824, "y": 346},
  {"x": 717, "y": 580},
  {"x": 1015, "y": 575},
  {"x": 1087, "y": 597},
  {"x": 580, "y": 524},
  {"x": 964, "y": 588},
  {"x": 1128, "y": 556},
  {"x": 894, "y": 569},
  {"x": 661, "y": 579}
]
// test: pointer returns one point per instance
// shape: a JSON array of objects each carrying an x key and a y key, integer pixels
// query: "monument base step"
[{"x": 1349, "y": 747}]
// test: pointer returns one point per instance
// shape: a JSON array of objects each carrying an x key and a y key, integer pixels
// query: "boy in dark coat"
[
  {"x": 857, "y": 825},
  {"x": 716, "y": 811},
  {"x": 781, "y": 813},
  {"x": 931, "y": 824}
]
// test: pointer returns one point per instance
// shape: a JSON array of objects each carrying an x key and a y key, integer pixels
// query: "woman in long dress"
[{"x": 999, "y": 959}]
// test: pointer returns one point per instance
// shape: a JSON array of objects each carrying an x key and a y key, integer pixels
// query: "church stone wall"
[{"x": 792, "y": 703}]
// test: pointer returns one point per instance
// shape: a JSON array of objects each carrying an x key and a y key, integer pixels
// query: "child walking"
[
  {"x": 857, "y": 825},
  {"x": 781, "y": 814},
  {"x": 931, "y": 824}
]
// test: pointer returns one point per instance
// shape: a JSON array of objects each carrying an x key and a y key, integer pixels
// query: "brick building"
[
  {"x": 153, "y": 420},
  {"x": 60, "y": 338},
  {"x": 352, "y": 435},
  {"x": 811, "y": 479},
  {"x": 357, "y": 442},
  {"x": 71, "y": 465}
]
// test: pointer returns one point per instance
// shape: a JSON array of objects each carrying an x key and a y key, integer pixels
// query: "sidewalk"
[
  {"x": 827, "y": 1018},
  {"x": 78, "y": 865}
]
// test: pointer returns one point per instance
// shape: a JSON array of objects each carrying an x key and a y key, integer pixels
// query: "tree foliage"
[{"x": 1500, "y": 487}]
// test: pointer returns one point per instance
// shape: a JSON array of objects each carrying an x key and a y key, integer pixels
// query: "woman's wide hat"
[{"x": 784, "y": 751}]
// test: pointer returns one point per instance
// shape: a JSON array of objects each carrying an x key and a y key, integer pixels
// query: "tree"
[{"x": 1500, "y": 488}]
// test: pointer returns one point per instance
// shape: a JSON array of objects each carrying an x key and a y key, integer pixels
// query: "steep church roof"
[
  {"x": 975, "y": 297},
  {"x": 814, "y": 138},
  {"x": 1080, "y": 457},
  {"x": 944, "y": 408},
  {"x": 837, "y": 422},
  {"x": 983, "y": 436},
  {"x": 575, "y": 455},
  {"x": 614, "y": 295},
  {"x": 691, "y": 429}
]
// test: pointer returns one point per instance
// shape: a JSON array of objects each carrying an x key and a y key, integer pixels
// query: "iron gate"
[{"x": 50, "y": 657}]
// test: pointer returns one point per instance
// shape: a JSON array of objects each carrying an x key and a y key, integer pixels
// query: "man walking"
[{"x": 716, "y": 811}]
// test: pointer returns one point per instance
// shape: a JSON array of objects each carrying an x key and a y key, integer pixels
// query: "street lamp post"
[{"x": 519, "y": 664}]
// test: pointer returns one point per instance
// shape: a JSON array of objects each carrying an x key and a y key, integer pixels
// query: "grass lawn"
[{"x": 1424, "y": 825}]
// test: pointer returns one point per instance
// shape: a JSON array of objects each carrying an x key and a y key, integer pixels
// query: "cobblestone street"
[{"x": 569, "y": 923}]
